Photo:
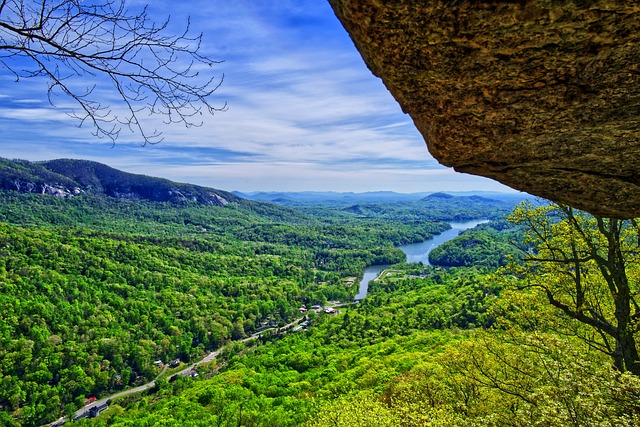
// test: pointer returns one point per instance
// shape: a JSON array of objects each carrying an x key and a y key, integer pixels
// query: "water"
[
  {"x": 416, "y": 252},
  {"x": 419, "y": 252}
]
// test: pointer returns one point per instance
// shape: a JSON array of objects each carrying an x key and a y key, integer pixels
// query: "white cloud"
[{"x": 304, "y": 112}]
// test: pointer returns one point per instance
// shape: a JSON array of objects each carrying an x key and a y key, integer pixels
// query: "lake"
[{"x": 417, "y": 252}]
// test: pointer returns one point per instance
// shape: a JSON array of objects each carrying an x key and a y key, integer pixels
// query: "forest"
[{"x": 528, "y": 320}]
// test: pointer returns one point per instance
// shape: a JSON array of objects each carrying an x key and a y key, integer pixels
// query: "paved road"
[{"x": 208, "y": 358}]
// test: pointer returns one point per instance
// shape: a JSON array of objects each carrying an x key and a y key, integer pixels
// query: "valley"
[{"x": 97, "y": 286}]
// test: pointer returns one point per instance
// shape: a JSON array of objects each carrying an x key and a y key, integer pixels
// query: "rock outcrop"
[
  {"x": 66, "y": 178},
  {"x": 541, "y": 95}
]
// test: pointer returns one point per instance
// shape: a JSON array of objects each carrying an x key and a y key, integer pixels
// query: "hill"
[
  {"x": 336, "y": 199},
  {"x": 103, "y": 272},
  {"x": 68, "y": 178}
]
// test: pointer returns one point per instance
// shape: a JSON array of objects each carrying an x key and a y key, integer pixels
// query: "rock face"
[
  {"x": 66, "y": 178},
  {"x": 541, "y": 95}
]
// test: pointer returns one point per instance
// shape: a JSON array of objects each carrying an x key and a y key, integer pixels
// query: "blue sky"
[{"x": 304, "y": 112}]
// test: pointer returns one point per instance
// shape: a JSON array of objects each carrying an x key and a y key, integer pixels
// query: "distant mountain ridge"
[
  {"x": 349, "y": 198},
  {"x": 68, "y": 178}
]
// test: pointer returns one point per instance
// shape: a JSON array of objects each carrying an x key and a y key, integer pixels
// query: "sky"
[{"x": 303, "y": 111}]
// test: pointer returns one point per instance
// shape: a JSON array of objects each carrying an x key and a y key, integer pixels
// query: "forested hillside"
[
  {"x": 68, "y": 178},
  {"x": 493, "y": 244},
  {"x": 96, "y": 289}
]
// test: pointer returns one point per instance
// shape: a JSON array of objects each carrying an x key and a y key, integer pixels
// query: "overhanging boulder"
[{"x": 541, "y": 95}]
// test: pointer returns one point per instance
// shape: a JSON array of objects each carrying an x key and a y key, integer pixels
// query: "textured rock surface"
[{"x": 543, "y": 96}]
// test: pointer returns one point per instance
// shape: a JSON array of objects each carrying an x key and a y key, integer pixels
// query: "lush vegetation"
[
  {"x": 493, "y": 244},
  {"x": 94, "y": 289},
  {"x": 420, "y": 352},
  {"x": 286, "y": 381}
]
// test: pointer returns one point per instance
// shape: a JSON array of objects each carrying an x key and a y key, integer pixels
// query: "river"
[{"x": 417, "y": 252}]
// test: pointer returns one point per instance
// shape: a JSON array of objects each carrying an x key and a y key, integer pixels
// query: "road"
[{"x": 208, "y": 358}]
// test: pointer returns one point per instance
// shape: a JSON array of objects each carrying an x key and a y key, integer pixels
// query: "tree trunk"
[{"x": 629, "y": 352}]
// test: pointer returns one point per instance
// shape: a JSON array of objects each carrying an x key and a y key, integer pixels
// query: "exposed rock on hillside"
[
  {"x": 68, "y": 178},
  {"x": 541, "y": 95}
]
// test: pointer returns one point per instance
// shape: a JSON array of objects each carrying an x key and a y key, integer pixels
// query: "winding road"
[{"x": 184, "y": 372}]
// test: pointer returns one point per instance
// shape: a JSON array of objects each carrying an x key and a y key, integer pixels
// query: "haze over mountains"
[
  {"x": 70, "y": 177},
  {"x": 287, "y": 198}
]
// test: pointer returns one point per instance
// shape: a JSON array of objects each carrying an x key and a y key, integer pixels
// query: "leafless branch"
[{"x": 72, "y": 41}]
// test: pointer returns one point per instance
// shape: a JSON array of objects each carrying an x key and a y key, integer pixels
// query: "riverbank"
[{"x": 416, "y": 252}]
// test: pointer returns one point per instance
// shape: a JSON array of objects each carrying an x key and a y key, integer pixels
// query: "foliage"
[
  {"x": 94, "y": 289},
  {"x": 348, "y": 370},
  {"x": 490, "y": 245},
  {"x": 587, "y": 267},
  {"x": 355, "y": 355}
]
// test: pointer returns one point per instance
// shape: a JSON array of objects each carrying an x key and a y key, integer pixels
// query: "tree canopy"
[{"x": 587, "y": 267}]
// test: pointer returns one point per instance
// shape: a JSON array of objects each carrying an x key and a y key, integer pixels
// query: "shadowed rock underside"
[{"x": 543, "y": 96}]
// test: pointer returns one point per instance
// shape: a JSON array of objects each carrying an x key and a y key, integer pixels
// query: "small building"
[
  {"x": 159, "y": 363},
  {"x": 174, "y": 363},
  {"x": 94, "y": 411},
  {"x": 84, "y": 414},
  {"x": 330, "y": 310}
]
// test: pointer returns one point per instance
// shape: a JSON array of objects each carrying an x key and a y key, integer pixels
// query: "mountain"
[
  {"x": 304, "y": 198},
  {"x": 438, "y": 196},
  {"x": 307, "y": 198},
  {"x": 68, "y": 178}
]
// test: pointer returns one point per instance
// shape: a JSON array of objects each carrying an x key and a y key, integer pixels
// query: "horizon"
[
  {"x": 506, "y": 191},
  {"x": 305, "y": 113}
]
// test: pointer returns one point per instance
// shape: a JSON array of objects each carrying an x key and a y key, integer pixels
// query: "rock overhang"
[{"x": 541, "y": 95}]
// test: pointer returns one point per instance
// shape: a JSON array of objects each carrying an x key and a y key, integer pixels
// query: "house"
[
  {"x": 94, "y": 411},
  {"x": 302, "y": 309},
  {"x": 174, "y": 363},
  {"x": 159, "y": 364},
  {"x": 330, "y": 310}
]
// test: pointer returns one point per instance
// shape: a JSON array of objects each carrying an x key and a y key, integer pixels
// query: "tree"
[
  {"x": 72, "y": 41},
  {"x": 588, "y": 268}
]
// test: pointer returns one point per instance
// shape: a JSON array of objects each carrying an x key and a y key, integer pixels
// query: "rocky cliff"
[
  {"x": 541, "y": 95},
  {"x": 68, "y": 178}
]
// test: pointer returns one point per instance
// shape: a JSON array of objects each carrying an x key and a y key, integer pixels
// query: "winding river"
[{"x": 416, "y": 252}]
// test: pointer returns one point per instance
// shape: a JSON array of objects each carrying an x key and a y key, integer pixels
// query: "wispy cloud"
[{"x": 304, "y": 112}]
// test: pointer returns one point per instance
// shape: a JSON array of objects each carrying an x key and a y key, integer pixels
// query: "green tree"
[
  {"x": 365, "y": 411},
  {"x": 588, "y": 268}
]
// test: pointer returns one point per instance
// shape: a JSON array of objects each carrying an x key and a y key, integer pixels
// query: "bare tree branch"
[{"x": 71, "y": 41}]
